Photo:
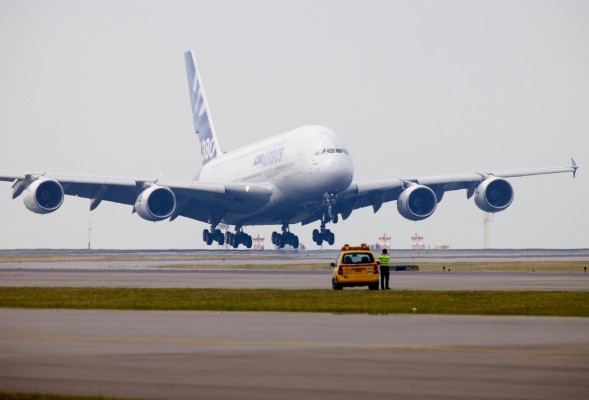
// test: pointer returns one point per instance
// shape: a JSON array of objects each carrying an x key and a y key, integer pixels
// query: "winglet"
[
  {"x": 203, "y": 123},
  {"x": 574, "y": 166}
]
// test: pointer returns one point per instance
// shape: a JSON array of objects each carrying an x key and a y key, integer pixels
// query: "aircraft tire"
[
  {"x": 316, "y": 236},
  {"x": 210, "y": 238}
]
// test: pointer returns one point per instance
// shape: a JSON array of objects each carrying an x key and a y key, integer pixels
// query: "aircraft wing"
[
  {"x": 193, "y": 199},
  {"x": 375, "y": 193}
]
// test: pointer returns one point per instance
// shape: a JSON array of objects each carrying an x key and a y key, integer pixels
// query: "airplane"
[{"x": 302, "y": 176}]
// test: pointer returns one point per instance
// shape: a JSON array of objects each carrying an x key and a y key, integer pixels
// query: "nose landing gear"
[{"x": 323, "y": 235}]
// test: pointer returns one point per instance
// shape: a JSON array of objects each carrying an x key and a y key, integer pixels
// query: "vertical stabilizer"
[{"x": 203, "y": 124}]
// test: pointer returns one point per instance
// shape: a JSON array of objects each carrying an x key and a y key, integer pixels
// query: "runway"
[
  {"x": 281, "y": 279},
  {"x": 187, "y": 355},
  {"x": 223, "y": 355},
  {"x": 237, "y": 269}
]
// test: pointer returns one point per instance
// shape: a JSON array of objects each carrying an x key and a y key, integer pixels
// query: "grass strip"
[{"x": 537, "y": 303}]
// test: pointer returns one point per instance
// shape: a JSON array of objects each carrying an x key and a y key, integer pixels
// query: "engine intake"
[
  {"x": 155, "y": 203},
  {"x": 417, "y": 202},
  {"x": 44, "y": 196},
  {"x": 493, "y": 194}
]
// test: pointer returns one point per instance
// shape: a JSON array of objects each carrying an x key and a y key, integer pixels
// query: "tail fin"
[{"x": 203, "y": 124}]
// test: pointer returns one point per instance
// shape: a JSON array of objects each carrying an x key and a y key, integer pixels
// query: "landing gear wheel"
[
  {"x": 330, "y": 237},
  {"x": 207, "y": 237},
  {"x": 219, "y": 237},
  {"x": 317, "y": 237}
]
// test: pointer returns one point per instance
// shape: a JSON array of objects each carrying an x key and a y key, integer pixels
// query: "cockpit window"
[{"x": 331, "y": 151}]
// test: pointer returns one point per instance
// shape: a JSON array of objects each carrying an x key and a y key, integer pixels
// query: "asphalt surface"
[
  {"x": 80, "y": 268},
  {"x": 206, "y": 355},
  {"x": 278, "y": 279},
  {"x": 222, "y": 355}
]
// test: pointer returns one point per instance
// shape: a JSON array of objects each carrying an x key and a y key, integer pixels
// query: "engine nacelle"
[
  {"x": 43, "y": 196},
  {"x": 493, "y": 194},
  {"x": 417, "y": 202},
  {"x": 155, "y": 203}
]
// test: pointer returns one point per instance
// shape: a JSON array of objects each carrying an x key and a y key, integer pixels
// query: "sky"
[{"x": 414, "y": 88}]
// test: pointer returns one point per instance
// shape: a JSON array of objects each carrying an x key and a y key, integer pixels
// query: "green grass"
[{"x": 328, "y": 301}]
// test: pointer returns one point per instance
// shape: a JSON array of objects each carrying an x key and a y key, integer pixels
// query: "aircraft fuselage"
[{"x": 302, "y": 165}]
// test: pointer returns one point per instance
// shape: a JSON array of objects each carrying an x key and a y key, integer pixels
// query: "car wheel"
[{"x": 335, "y": 285}]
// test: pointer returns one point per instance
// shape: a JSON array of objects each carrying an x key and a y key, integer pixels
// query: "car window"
[{"x": 358, "y": 258}]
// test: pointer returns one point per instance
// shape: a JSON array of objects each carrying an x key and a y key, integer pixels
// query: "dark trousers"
[{"x": 384, "y": 277}]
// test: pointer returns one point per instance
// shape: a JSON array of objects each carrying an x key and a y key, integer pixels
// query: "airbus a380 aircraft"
[{"x": 305, "y": 175}]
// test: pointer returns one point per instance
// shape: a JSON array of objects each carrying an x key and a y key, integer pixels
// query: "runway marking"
[{"x": 296, "y": 344}]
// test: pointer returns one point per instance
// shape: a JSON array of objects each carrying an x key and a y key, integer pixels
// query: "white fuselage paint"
[{"x": 294, "y": 165}]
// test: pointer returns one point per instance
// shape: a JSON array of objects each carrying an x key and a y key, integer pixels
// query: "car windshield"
[{"x": 358, "y": 258}]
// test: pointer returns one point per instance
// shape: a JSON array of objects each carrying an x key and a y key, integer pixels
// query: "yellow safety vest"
[{"x": 384, "y": 260}]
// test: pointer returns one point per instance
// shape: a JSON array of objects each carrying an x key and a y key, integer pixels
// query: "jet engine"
[
  {"x": 155, "y": 203},
  {"x": 493, "y": 194},
  {"x": 417, "y": 202},
  {"x": 44, "y": 196}
]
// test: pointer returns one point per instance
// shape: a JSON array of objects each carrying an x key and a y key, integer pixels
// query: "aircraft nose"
[{"x": 339, "y": 172}]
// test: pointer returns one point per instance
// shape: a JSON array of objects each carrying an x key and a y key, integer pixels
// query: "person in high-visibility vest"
[{"x": 384, "y": 260}]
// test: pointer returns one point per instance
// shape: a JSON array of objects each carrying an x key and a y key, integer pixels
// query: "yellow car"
[{"x": 355, "y": 266}]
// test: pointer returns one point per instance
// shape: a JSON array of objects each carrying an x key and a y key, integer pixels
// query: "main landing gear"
[
  {"x": 213, "y": 235},
  {"x": 237, "y": 238},
  {"x": 284, "y": 238},
  {"x": 232, "y": 239}
]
